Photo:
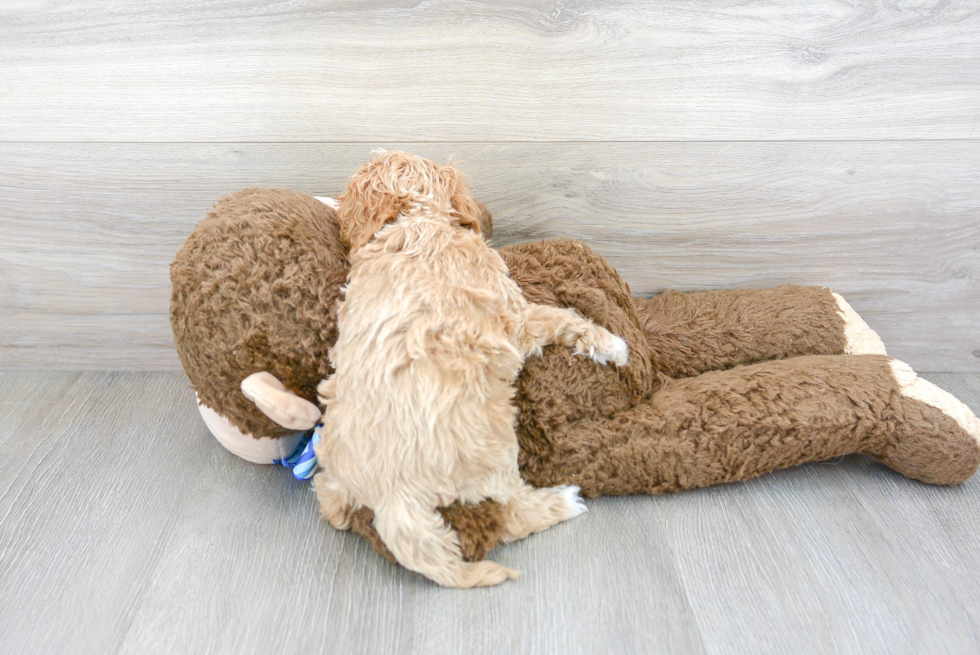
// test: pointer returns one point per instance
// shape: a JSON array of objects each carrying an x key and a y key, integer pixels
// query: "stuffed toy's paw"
[
  {"x": 860, "y": 338},
  {"x": 279, "y": 403}
]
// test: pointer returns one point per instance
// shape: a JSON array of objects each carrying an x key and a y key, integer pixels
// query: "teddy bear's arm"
[
  {"x": 691, "y": 333},
  {"x": 279, "y": 403}
]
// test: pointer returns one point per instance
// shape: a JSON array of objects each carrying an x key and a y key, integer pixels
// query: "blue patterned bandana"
[{"x": 303, "y": 459}]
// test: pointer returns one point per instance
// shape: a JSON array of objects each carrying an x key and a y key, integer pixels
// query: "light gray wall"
[{"x": 710, "y": 145}]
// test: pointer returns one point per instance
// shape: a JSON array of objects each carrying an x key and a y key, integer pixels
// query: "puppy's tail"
[{"x": 421, "y": 541}]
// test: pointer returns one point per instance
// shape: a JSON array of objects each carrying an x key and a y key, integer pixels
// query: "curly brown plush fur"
[
  {"x": 721, "y": 386},
  {"x": 691, "y": 333},
  {"x": 255, "y": 288}
]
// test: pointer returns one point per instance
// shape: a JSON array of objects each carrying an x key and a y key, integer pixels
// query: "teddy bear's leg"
[
  {"x": 691, "y": 333},
  {"x": 732, "y": 425},
  {"x": 266, "y": 450},
  {"x": 923, "y": 448}
]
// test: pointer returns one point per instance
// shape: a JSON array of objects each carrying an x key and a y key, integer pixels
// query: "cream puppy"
[{"x": 433, "y": 333}]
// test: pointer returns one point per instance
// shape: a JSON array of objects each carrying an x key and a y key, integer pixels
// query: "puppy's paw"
[
  {"x": 617, "y": 352},
  {"x": 603, "y": 347},
  {"x": 335, "y": 503},
  {"x": 574, "y": 505}
]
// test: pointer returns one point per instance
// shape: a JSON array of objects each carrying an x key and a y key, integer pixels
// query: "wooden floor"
[{"x": 125, "y": 528}]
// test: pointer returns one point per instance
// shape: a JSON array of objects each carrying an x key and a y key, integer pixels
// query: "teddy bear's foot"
[
  {"x": 259, "y": 451},
  {"x": 939, "y": 439},
  {"x": 860, "y": 339}
]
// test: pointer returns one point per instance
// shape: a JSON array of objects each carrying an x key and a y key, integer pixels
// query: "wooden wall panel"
[
  {"x": 88, "y": 230},
  {"x": 568, "y": 70}
]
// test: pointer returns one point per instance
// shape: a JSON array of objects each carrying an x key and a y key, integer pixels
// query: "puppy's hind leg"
[
  {"x": 420, "y": 540},
  {"x": 544, "y": 325},
  {"x": 531, "y": 509},
  {"x": 336, "y": 504}
]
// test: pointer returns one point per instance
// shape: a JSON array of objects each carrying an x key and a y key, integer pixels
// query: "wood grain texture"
[
  {"x": 92, "y": 480},
  {"x": 532, "y": 70},
  {"x": 290, "y": 583},
  {"x": 125, "y": 528},
  {"x": 90, "y": 229}
]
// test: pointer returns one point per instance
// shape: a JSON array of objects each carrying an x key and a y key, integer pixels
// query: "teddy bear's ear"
[{"x": 279, "y": 403}]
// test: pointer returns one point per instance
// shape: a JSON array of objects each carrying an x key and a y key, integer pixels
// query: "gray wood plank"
[
  {"x": 90, "y": 489},
  {"x": 819, "y": 559},
  {"x": 89, "y": 229},
  {"x": 125, "y": 528},
  {"x": 252, "y": 569},
  {"x": 844, "y": 556},
  {"x": 315, "y": 70},
  {"x": 21, "y": 392}
]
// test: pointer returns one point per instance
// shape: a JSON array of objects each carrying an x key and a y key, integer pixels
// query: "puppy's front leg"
[
  {"x": 544, "y": 325},
  {"x": 420, "y": 540}
]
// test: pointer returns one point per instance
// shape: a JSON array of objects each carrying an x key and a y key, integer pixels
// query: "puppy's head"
[{"x": 392, "y": 183}]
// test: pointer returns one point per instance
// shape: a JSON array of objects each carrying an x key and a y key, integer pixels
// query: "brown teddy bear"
[{"x": 720, "y": 386}]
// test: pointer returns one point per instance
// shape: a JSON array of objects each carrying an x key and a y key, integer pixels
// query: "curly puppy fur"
[
  {"x": 433, "y": 333},
  {"x": 394, "y": 183}
]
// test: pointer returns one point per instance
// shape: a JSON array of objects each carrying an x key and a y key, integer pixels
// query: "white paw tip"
[
  {"x": 861, "y": 339},
  {"x": 617, "y": 352},
  {"x": 912, "y": 386},
  {"x": 576, "y": 505}
]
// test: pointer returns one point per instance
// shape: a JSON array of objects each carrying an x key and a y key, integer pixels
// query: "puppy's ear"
[
  {"x": 486, "y": 220},
  {"x": 363, "y": 211}
]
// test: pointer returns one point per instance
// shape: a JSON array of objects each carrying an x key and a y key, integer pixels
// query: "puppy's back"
[{"x": 424, "y": 365}]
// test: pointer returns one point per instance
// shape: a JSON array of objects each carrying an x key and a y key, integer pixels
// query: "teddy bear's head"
[{"x": 255, "y": 288}]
